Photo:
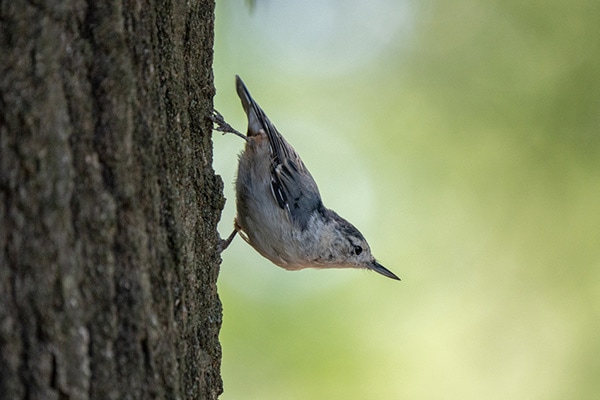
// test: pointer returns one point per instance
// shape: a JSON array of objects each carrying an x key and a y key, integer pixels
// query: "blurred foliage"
[{"x": 465, "y": 143}]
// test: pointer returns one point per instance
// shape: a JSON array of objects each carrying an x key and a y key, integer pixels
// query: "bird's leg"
[
  {"x": 223, "y": 126},
  {"x": 224, "y": 243}
]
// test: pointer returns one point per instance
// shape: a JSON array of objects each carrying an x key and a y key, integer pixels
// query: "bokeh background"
[{"x": 463, "y": 139}]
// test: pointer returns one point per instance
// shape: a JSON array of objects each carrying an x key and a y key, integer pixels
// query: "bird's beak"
[{"x": 375, "y": 266}]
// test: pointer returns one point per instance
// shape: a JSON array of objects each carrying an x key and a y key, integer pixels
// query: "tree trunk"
[{"x": 108, "y": 201}]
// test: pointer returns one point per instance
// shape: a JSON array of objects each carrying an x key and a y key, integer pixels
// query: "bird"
[{"x": 280, "y": 212}]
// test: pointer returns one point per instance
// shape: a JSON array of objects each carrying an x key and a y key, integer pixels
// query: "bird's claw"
[{"x": 223, "y": 126}]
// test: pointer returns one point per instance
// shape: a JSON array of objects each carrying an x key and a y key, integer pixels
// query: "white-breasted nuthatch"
[{"x": 279, "y": 208}]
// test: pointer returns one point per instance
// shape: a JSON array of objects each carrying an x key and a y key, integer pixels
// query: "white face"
[
  {"x": 353, "y": 252},
  {"x": 356, "y": 252},
  {"x": 345, "y": 247}
]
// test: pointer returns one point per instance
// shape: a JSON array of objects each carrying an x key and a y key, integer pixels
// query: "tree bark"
[{"x": 108, "y": 201}]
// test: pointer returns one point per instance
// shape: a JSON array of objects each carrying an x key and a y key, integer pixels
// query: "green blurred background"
[{"x": 463, "y": 139}]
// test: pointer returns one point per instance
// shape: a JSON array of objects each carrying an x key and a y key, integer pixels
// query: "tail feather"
[
  {"x": 259, "y": 124},
  {"x": 253, "y": 110}
]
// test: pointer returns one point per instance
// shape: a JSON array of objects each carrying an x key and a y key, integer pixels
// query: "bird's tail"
[{"x": 256, "y": 116}]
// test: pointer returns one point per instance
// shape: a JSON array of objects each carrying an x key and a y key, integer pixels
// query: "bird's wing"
[{"x": 292, "y": 185}]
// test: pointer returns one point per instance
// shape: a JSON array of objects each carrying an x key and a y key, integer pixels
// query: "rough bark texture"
[{"x": 108, "y": 201}]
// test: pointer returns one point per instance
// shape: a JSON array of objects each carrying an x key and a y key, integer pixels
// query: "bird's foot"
[{"x": 222, "y": 126}]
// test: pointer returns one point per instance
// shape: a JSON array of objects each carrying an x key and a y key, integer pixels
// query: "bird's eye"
[{"x": 357, "y": 250}]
